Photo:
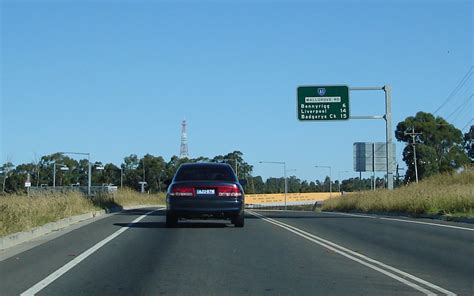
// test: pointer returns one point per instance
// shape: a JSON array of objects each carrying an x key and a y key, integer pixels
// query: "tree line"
[
  {"x": 154, "y": 170},
  {"x": 439, "y": 146}
]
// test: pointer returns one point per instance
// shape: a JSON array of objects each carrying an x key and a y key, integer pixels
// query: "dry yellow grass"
[
  {"x": 21, "y": 213},
  {"x": 127, "y": 197},
  {"x": 444, "y": 194}
]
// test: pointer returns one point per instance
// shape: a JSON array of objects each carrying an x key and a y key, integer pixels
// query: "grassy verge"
[
  {"x": 449, "y": 195},
  {"x": 21, "y": 213}
]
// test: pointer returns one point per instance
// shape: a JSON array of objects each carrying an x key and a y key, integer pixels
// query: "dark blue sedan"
[{"x": 205, "y": 190}]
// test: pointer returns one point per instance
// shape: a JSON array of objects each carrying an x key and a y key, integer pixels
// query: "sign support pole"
[
  {"x": 331, "y": 102},
  {"x": 388, "y": 129},
  {"x": 388, "y": 125}
]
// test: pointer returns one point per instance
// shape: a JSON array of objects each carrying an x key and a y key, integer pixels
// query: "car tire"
[
  {"x": 239, "y": 221},
  {"x": 171, "y": 219}
]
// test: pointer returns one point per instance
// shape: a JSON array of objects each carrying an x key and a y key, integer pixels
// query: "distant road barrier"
[
  {"x": 292, "y": 198},
  {"x": 65, "y": 189}
]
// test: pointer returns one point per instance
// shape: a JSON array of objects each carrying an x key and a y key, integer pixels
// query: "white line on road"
[
  {"x": 352, "y": 255},
  {"x": 55, "y": 275},
  {"x": 351, "y": 215},
  {"x": 427, "y": 223},
  {"x": 402, "y": 220}
]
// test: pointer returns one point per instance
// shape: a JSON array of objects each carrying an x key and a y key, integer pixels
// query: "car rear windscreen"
[{"x": 205, "y": 173}]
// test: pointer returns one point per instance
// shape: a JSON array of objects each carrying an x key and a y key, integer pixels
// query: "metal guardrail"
[
  {"x": 279, "y": 205},
  {"x": 82, "y": 189}
]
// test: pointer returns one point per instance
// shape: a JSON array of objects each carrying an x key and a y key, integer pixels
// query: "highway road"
[{"x": 277, "y": 253}]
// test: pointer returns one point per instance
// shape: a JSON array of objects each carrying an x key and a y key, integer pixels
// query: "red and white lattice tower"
[{"x": 183, "y": 152}]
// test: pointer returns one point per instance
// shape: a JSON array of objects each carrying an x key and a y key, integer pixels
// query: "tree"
[
  {"x": 6, "y": 170},
  {"x": 275, "y": 185},
  {"x": 255, "y": 185},
  {"x": 155, "y": 168},
  {"x": 439, "y": 147},
  {"x": 313, "y": 187},
  {"x": 111, "y": 174},
  {"x": 236, "y": 161},
  {"x": 131, "y": 175},
  {"x": 469, "y": 143},
  {"x": 294, "y": 184}
]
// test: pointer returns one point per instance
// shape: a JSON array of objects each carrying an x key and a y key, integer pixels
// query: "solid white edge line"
[
  {"x": 402, "y": 220},
  {"x": 433, "y": 286},
  {"x": 340, "y": 250},
  {"x": 351, "y": 215},
  {"x": 58, "y": 273},
  {"x": 427, "y": 223}
]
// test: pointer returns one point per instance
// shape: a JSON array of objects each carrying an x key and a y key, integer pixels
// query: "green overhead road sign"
[{"x": 325, "y": 102}]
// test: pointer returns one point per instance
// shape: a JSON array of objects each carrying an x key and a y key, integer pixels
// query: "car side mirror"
[{"x": 243, "y": 182}]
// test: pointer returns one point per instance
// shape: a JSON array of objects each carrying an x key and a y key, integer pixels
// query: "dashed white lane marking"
[{"x": 58, "y": 273}]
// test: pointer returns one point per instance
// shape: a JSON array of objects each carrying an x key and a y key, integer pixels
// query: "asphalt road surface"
[{"x": 276, "y": 253}]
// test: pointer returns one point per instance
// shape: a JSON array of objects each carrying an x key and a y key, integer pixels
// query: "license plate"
[{"x": 205, "y": 191}]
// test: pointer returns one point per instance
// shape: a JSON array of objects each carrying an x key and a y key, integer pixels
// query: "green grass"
[
  {"x": 444, "y": 194},
  {"x": 21, "y": 213}
]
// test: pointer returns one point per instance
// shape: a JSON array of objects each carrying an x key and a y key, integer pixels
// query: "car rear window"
[{"x": 205, "y": 173}]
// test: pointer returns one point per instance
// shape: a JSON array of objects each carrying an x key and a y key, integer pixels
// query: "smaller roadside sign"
[
  {"x": 323, "y": 102},
  {"x": 27, "y": 184}
]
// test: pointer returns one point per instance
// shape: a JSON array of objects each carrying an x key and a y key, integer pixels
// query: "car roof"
[{"x": 204, "y": 164}]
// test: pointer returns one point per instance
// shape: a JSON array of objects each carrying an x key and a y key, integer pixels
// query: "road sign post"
[
  {"x": 331, "y": 102},
  {"x": 388, "y": 124}
]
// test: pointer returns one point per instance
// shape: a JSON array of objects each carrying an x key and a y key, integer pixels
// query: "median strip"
[{"x": 385, "y": 269}]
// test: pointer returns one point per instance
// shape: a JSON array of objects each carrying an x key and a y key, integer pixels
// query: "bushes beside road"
[
  {"x": 444, "y": 194},
  {"x": 21, "y": 213}
]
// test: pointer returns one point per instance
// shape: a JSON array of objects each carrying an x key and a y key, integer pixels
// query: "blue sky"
[{"x": 117, "y": 78}]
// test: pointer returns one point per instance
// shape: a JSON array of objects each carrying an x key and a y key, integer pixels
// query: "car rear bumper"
[{"x": 202, "y": 208}]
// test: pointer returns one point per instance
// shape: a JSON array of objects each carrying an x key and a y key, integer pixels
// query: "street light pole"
[
  {"x": 286, "y": 183},
  {"x": 89, "y": 179},
  {"x": 339, "y": 178},
  {"x": 330, "y": 176},
  {"x": 284, "y": 174},
  {"x": 54, "y": 172},
  {"x": 89, "y": 175},
  {"x": 159, "y": 180}
]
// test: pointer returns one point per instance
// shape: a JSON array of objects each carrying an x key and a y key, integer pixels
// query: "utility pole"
[
  {"x": 413, "y": 136},
  {"x": 183, "y": 152}
]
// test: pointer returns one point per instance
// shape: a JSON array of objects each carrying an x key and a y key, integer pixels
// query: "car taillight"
[
  {"x": 182, "y": 191},
  {"x": 229, "y": 191}
]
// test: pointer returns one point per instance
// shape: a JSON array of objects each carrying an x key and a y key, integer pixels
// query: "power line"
[
  {"x": 472, "y": 119},
  {"x": 456, "y": 89},
  {"x": 467, "y": 110},
  {"x": 463, "y": 104}
]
